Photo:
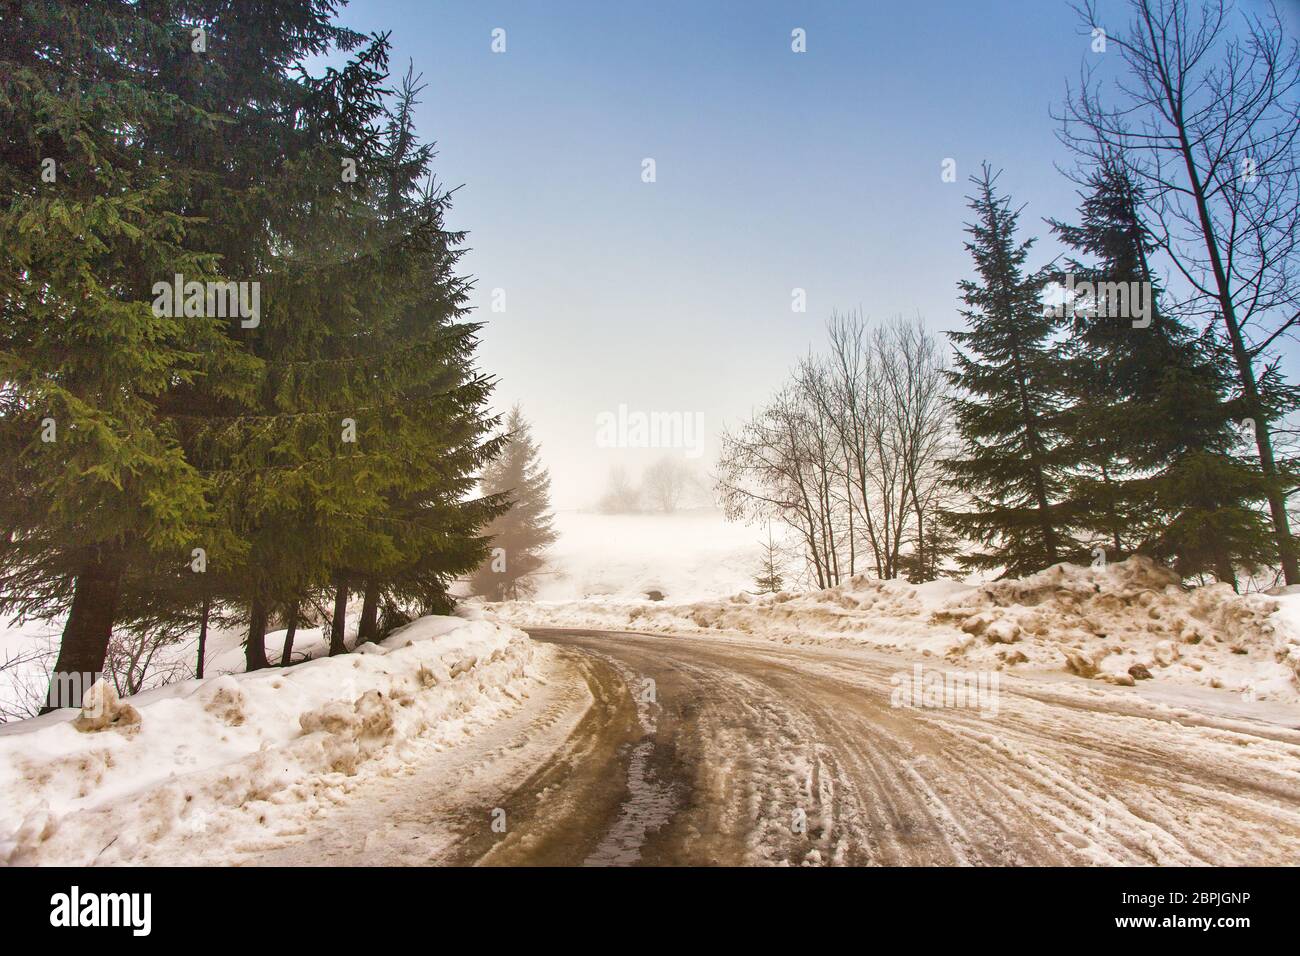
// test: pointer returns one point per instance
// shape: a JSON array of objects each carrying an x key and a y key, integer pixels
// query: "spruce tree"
[
  {"x": 520, "y": 535},
  {"x": 263, "y": 188},
  {"x": 1152, "y": 422},
  {"x": 433, "y": 434},
  {"x": 1008, "y": 378},
  {"x": 167, "y": 471},
  {"x": 95, "y": 482},
  {"x": 354, "y": 475},
  {"x": 769, "y": 579},
  {"x": 274, "y": 204}
]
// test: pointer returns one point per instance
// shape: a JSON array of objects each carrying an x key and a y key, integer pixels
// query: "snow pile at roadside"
[
  {"x": 1123, "y": 623},
  {"x": 248, "y": 755},
  {"x": 1129, "y": 621},
  {"x": 883, "y": 613}
]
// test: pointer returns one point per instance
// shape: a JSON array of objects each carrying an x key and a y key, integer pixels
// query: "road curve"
[
  {"x": 676, "y": 750},
  {"x": 744, "y": 753}
]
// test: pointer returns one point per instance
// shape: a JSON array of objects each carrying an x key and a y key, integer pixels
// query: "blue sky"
[{"x": 775, "y": 170}]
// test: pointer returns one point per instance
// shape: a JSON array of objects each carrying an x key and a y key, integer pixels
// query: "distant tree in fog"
[
  {"x": 521, "y": 534},
  {"x": 621, "y": 496},
  {"x": 665, "y": 484}
]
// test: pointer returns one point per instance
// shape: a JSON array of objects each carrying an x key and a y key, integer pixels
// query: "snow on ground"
[
  {"x": 231, "y": 756},
  {"x": 1121, "y": 624},
  {"x": 1131, "y": 621},
  {"x": 220, "y": 767}
]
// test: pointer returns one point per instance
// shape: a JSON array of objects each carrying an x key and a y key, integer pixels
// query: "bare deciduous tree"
[
  {"x": 778, "y": 465},
  {"x": 1207, "y": 118},
  {"x": 914, "y": 401},
  {"x": 136, "y": 660},
  {"x": 620, "y": 497},
  {"x": 25, "y": 679},
  {"x": 665, "y": 483},
  {"x": 847, "y": 453}
]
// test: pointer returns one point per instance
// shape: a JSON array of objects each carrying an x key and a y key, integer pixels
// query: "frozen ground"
[{"x": 705, "y": 749}]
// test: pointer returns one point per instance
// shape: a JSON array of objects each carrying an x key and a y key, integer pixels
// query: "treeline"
[
  {"x": 1104, "y": 423},
  {"x": 1126, "y": 397},
  {"x": 238, "y": 380},
  {"x": 666, "y": 485}
]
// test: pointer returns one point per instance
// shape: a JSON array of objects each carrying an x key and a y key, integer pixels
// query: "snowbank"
[
  {"x": 1130, "y": 621},
  {"x": 1123, "y": 623},
  {"x": 881, "y": 613},
  {"x": 229, "y": 756}
]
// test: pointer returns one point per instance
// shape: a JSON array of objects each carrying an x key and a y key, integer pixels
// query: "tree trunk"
[
  {"x": 1110, "y": 512},
  {"x": 1225, "y": 572},
  {"x": 290, "y": 629},
  {"x": 255, "y": 649},
  {"x": 369, "y": 613},
  {"x": 339, "y": 620},
  {"x": 203, "y": 637},
  {"x": 848, "y": 500},
  {"x": 1244, "y": 361},
  {"x": 1267, "y": 464},
  {"x": 1036, "y": 461},
  {"x": 922, "y": 568},
  {"x": 85, "y": 636}
]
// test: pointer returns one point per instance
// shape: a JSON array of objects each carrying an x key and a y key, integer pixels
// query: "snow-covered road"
[{"x": 659, "y": 749}]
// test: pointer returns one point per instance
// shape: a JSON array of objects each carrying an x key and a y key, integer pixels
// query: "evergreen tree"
[
  {"x": 352, "y": 474},
  {"x": 433, "y": 423},
  {"x": 164, "y": 469},
  {"x": 258, "y": 194},
  {"x": 1151, "y": 422},
  {"x": 769, "y": 579},
  {"x": 300, "y": 473},
  {"x": 95, "y": 482},
  {"x": 1008, "y": 377},
  {"x": 521, "y": 534},
  {"x": 941, "y": 547},
  {"x": 247, "y": 189}
]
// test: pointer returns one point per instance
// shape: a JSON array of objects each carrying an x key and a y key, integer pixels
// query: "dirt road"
[{"x": 654, "y": 750}]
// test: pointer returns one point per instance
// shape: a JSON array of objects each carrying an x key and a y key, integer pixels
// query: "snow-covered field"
[
  {"x": 204, "y": 763},
  {"x": 689, "y": 556}
]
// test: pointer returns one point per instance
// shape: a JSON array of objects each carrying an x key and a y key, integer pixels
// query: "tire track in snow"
[
  {"x": 1043, "y": 782},
  {"x": 743, "y": 737}
]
